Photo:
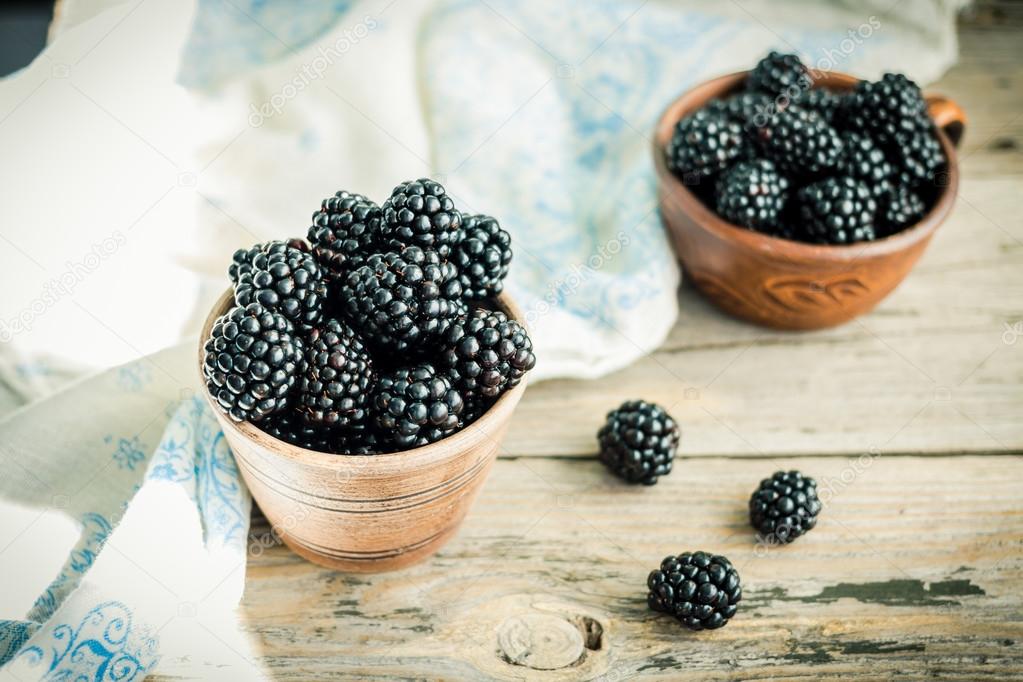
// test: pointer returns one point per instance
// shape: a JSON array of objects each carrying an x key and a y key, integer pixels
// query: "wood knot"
[{"x": 541, "y": 641}]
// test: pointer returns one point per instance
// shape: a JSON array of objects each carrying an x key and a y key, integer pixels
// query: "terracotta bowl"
[
  {"x": 781, "y": 283},
  {"x": 367, "y": 513}
]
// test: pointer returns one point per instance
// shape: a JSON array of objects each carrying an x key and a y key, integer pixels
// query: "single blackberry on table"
[
  {"x": 780, "y": 75},
  {"x": 292, "y": 428},
  {"x": 414, "y": 406},
  {"x": 825, "y": 103},
  {"x": 837, "y": 211},
  {"x": 400, "y": 300},
  {"x": 865, "y": 161},
  {"x": 486, "y": 353},
  {"x": 252, "y": 361},
  {"x": 345, "y": 229},
  {"x": 703, "y": 144},
  {"x": 420, "y": 213},
  {"x": 702, "y": 590},
  {"x": 784, "y": 507},
  {"x": 901, "y": 208},
  {"x": 886, "y": 109},
  {"x": 482, "y": 256},
  {"x": 800, "y": 142},
  {"x": 638, "y": 442},
  {"x": 284, "y": 279},
  {"x": 752, "y": 194},
  {"x": 338, "y": 377}
]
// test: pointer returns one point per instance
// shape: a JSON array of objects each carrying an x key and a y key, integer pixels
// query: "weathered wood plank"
[{"x": 913, "y": 570}]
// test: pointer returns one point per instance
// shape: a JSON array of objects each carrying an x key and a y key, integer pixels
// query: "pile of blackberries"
[
  {"x": 379, "y": 332},
  {"x": 791, "y": 160}
]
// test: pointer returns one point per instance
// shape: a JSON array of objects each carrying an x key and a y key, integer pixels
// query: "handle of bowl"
[{"x": 948, "y": 116}]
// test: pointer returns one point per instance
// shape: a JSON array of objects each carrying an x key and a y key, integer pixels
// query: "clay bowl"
[
  {"x": 781, "y": 283},
  {"x": 372, "y": 513}
]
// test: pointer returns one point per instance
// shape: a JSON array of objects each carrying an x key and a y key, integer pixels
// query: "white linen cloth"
[{"x": 153, "y": 137}]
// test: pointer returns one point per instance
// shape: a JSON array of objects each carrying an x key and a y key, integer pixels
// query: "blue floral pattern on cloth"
[
  {"x": 95, "y": 531},
  {"x": 194, "y": 453},
  {"x": 129, "y": 452},
  {"x": 104, "y": 646},
  {"x": 110, "y": 642}
]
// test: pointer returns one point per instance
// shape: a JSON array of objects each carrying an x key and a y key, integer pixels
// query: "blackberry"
[
  {"x": 704, "y": 143},
  {"x": 825, "y": 103},
  {"x": 284, "y": 279},
  {"x": 749, "y": 109},
  {"x": 837, "y": 211},
  {"x": 482, "y": 256},
  {"x": 361, "y": 440},
  {"x": 241, "y": 261},
  {"x": 900, "y": 208},
  {"x": 414, "y": 406},
  {"x": 917, "y": 156},
  {"x": 784, "y": 507},
  {"x": 799, "y": 141},
  {"x": 420, "y": 213},
  {"x": 400, "y": 300},
  {"x": 865, "y": 161},
  {"x": 336, "y": 384},
  {"x": 290, "y": 427},
  {"x": 345, "y": 229},
  {"x": 886, "y": 109},
  {"x": 251, "y": 362},
  {"x": 752, "y": 194},
  {"x": 780, "y": 75},
  {"x": 487, "y": 353},
  {"x": 638, "y": 442},
  {"x": 702, "y": 590}
]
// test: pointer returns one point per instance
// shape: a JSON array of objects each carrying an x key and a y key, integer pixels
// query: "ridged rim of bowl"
[
  {"x": 445, "y": 448},
  {"x": 759, "y": 242}
]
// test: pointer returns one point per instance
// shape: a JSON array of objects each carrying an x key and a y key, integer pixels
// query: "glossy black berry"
[
  {"x": 251, "y": 362},
  {"x": 638, "y": 442},
  {"x": 414, "y": 406},
  {"x": 863, "y": 160},
  {"x": 780, "y": 75},
  {"x": 837, "y": 211},
  {"x": 486, "y": 353},
  {"x": 784, "y": 507},
  {"x": 345, "y": 230},
  {"x": 420, "y": 213},
  {"x": 401, "y": 300},
  {"x": 338, "y": 377},
  {"x": 901, "y": 208},
  {"x": 284, "y": 279},
  {"x": 800, "y": 142},
  {"x": 290, "y": 427},
  {"x": 917, "y": 157},
  {"x": 886, "y": 109},
  {"x": 482, "y": 257},
  {"x": 241, "y": 261},
  {"x": 825, "y": 103},
  {"x": 703, "y": 144},
  {"x": 702, "y": 590},
  {"x": 752, "y": 194},
  {"x": 749, "y": 109}
]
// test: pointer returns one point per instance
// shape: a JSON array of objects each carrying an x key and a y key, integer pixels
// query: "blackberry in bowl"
[{"x": 817, "y": 253}]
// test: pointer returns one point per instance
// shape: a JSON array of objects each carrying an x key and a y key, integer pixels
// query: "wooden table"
[{"x": 910, "y": 418}]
